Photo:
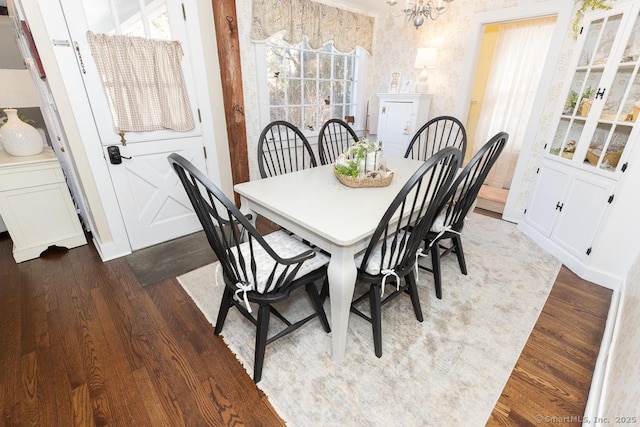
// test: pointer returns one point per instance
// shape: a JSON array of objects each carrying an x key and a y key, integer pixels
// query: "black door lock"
[{"x": 114, "y": 155}]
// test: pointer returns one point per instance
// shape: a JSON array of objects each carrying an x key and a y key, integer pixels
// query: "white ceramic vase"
[{"x": 19, "y": 138}]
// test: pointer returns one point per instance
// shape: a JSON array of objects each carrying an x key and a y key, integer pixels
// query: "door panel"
[
  {"x": 584, "y": 207},
  {"x": 394, "y": 123},
  {"x": 128, "y": 21},
  {"x": 150, "y": 194},
  {"x": 550, "y": 189},
  {"x": 152, "y": 202}
]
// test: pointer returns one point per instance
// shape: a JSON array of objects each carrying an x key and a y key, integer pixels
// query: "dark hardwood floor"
[{"x": 84, "y": 343}]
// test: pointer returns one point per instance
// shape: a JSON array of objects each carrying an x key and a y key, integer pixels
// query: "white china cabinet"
[{"x": 591, "y": 148}]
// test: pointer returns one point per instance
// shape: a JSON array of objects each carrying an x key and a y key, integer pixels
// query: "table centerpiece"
[{"x": 363, "y": 165}]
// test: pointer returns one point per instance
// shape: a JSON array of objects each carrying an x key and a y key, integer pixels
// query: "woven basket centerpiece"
[
  {"x": 362, "y": 165},
  {"x": 380, "y": 178}
]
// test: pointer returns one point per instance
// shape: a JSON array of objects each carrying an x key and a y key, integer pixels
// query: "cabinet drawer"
[{"x": 26, "y": 177}]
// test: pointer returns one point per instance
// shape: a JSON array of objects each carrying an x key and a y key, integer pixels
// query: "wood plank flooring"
[{"x": 83, "y": 343}]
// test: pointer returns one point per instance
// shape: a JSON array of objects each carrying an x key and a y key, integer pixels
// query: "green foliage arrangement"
[
  {"x": 349, "y": 169},
  {"x": 4, "y": 119},
  {"x": 586, "y": 4},
  {"x": 349, "y": 162},
  {"x": 572, "y": 99}
]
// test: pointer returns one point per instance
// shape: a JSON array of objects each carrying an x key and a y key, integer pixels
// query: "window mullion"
[{"x": 305, "y": 86}]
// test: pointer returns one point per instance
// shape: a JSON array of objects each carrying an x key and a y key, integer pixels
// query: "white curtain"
[
  {"x": 515, "y": 72},
  {"x": 144, "y": 82}
]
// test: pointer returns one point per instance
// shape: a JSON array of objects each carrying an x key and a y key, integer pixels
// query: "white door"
[
  {"x": 152, "y": 202},
  {"x": 394, "y": 122}
]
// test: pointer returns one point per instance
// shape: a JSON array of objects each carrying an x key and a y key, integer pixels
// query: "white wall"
[
  {"x": 9, "y": 53},
  {"x": 621, "y": 390}
]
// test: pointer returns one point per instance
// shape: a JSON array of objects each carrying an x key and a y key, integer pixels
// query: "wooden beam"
[{"x": 226, "y": 23}]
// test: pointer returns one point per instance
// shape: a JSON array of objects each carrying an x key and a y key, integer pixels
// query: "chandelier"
[{"x": 417, "y": 12}]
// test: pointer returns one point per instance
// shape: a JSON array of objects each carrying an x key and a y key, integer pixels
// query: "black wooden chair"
[
  {"x": 436, "y": 134},
  {"x": 395, "y": 245},
  {"x": 282, "y": 148},
  {"x": 256, "y": 269},
  {"x": 457, "y": 204},
  {"x": 335, "y": 137}
]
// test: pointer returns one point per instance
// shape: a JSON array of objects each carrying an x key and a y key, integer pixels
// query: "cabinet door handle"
[
  {"x": 600, "y": 93},
  {"x": 559, "y": 206},
  {"x": 384, "y": 110}
]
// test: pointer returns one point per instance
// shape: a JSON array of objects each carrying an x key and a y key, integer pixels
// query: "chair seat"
[
  {"x": 284, "y": 245},
  {"x": 373, "y": 265},
  {"x": 438, "y": 223}
]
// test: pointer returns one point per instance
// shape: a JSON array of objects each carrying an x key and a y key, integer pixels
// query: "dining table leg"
[{"x": 341, "y": 273}]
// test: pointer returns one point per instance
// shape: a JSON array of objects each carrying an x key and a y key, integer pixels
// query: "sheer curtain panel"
[{"x": 515, "y": 72}]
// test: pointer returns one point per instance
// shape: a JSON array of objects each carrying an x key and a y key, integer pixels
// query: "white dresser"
[
  {"x": 36, "y": 205},
  {"x": 399, "y": 117}
]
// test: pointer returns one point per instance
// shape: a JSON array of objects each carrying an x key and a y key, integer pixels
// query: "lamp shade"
[
  {"x": 426, "y": 58},
  {"x": 18, "y": 89}
]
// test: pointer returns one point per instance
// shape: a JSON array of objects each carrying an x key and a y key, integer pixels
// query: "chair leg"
[
  {"x": 413, "y": 293},
  {"x": 261, "y": 341},
  {"x": 225, "y": 304},
  {"x": 376, "y": 317},
  {"x": 457, "y": 241},
  {"x": 435, "y": 266},
  {"x": 317, "y": 304},
  {"x": 324, "y": 292}
]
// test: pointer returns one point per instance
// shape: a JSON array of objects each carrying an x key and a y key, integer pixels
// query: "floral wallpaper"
[{"x": 249, "y": 83}]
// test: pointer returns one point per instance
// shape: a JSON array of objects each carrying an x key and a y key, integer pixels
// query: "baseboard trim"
[
  {"x": 110, "y": 251},
  {"x": 597, "y": 392},
  {"x": 586, "y": 272}
]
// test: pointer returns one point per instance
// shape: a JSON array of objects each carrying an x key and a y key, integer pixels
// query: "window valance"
[{"x": 320, "y": 23}]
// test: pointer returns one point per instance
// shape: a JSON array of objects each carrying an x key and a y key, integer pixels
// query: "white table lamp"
[{"x": 425, "y": 59}]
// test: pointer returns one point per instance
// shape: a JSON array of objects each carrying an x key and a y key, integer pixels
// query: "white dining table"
[{"x": 314, "y": 205}]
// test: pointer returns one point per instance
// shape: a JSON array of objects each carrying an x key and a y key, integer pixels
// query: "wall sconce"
[{"x": 425, "y": 59}]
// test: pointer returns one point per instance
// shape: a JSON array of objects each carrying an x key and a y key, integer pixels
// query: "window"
[
  {"x": 128, "y": 18},
  {"x": 307, "y": 87}
]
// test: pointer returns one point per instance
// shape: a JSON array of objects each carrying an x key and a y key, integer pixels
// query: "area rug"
[
  {"x": 171, "y": 259},
  {"x": 446, "y": 371}
]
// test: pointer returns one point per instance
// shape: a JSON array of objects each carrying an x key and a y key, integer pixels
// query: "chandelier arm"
[{"x": 416, "y": 12}]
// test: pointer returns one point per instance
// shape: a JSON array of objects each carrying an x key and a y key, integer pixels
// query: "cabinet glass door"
[
  {"x": 594, "y": 56},
  {"x": 620, "y": 110}
]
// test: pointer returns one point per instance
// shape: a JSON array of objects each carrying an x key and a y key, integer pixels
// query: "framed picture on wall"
[
  {"x": 394, "y": 83},
  {"x": 32, "y": 48}
]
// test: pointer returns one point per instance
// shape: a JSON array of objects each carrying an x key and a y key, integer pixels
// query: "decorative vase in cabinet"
[{"x": 19, "y": 138}]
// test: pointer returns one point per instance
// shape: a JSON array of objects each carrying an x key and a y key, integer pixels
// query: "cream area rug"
[{"x": 446, "y": 371}]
